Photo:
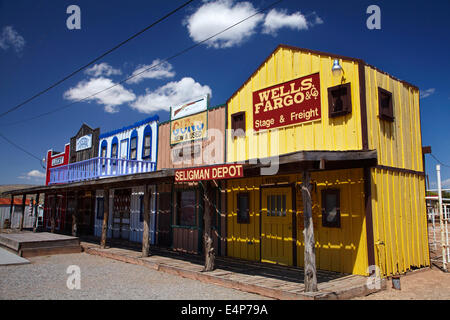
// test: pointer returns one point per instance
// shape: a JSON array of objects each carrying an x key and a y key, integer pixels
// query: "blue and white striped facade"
[
  {"x": 122, "y": 137},
  {"x": 126, "y": 164},
  {"x": 136, "y": 224}
]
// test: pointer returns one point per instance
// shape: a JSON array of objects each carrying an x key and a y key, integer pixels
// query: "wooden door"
[
  {"x": 121, "y": 214},
  {"x": 276, "y": 226},
  {"x": 164, "y": 219}
]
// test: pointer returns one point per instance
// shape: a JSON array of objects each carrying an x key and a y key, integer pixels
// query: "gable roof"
[{"x": 320, "y": 53}]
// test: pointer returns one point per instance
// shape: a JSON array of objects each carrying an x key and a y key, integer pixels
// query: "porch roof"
[{"x": 288, "y": 163}]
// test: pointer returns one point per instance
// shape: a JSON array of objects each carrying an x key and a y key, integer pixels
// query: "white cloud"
[
  {"x": 160, "y": 70},
  {"x": 277, "y": 19},
  {"x": 102, "y": 69},
  {"x": 33, "y": 175},
  {"x": 213, "y": 17},
  {"x": 110, "y": 98},
  {"x": 173, "y": 93},
  {"x": 10, "y": 37},
  {"x": 426, "y": 93},
  {"x": 315, "y": 19},
  {"x": 445, "y": 183}
]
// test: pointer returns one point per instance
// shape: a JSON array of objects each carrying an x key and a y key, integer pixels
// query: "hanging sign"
[
  {"x": 226, "y": 171},
  {"x": 57, "y": 161},
  {"x": 189, "y": 128},
  {"x": 192, "y": 107},
  {"x": 85, "y": 142},
  {"x": 292, "y": 102}
]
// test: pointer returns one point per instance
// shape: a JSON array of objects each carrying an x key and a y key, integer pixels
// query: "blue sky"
[{"x": 37, "y": 49}]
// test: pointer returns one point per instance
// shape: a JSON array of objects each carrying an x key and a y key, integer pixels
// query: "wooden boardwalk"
[
  {"x": 278, "y": 282},
  {"x": 30, "y": 244}
]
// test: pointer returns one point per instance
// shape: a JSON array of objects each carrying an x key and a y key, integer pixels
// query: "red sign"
[
  {"x": 292, "y": 102},
  {"x": 226, "y": 171}
]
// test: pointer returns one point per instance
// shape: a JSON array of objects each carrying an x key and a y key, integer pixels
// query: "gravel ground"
[
  {"x": 102, "y": 278},
  {"x": 431, "y": 284}
]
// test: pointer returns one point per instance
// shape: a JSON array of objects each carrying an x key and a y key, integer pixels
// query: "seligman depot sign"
[
  {"x": 226, "y": 171},
  {"x": 291, "y": 102}
]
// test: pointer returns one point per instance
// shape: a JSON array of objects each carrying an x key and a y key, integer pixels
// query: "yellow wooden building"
[{"x": 358, "y": 130}]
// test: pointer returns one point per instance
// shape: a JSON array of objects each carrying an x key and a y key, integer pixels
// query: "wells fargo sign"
[
  {"x": 288, "y": 103},
  {"x": 226, "y": 171},
  {"x": 188, "y": 128}
]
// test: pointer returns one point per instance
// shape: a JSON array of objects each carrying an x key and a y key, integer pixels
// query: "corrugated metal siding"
[
  {"x": 399, "y": 220},
  {"x": 398, "y": 143},
  {"x": 136, "y": 226},
  {"x": 185, "y": 239},
  {"x": 341, "y": 249},
  {"x": 216, "y": 120},
  {"x": 341, "y": 133},
  {"x": 398, "y": 198},
  {"x": 28, "y": 221},
  {"x": 337, "y": 249}
]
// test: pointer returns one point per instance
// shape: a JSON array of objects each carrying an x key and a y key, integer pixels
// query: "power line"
[
  {"x": 146, "y": 69},
  {"x": 95, "y": 60},
  {"x": 439, "y": 161},
  {"x": 20, "y": 148}
]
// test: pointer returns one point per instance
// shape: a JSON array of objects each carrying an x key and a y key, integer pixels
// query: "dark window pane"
[
  {"x": 186, "y": 208},
  {"x": 100, "y": 208},
  {"x": 330, "y": 208},
  {"x": 141, "y": 208},
  {"x": 243, "y": 215}
]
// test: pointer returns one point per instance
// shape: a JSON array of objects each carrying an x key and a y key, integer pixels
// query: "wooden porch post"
[
  {"x": 52, "y": 215},
  {"x": 24, "y": 198},
  {"x": 210, "y": 253},
  {"x": 74, "y": 215},
  {"x": 36, "y": 213},
  {"x": 145, "y": 234},
  {"x": 308, "y": 235},
  {"x": 105, "y": 217},
  {"x": 11, "y": 211}
]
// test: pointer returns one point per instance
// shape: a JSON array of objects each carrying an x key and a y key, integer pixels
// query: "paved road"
[{"x": 102, "y": 278}]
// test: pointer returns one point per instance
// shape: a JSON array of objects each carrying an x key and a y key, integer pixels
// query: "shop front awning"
[
  {"x": 313, "y": 160},
  {"x": 113, "y": 182},
  {"x": 288, "y": 163}
]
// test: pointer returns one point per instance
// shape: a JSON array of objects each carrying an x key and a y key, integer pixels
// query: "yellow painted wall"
[
  {"x": 341, "y": 250},
  {"x": 285, "y": 64},
  {"x": 398, "y": 199},
  {"x": 399, "y": 220},
  {"x": 398, "y": 143}
]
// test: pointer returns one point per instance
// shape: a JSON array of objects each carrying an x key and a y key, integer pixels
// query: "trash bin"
[{"x": 396, "y": 282}]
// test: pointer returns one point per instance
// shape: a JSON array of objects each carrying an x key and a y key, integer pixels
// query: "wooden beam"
[
  {"x": 75, "y": 215},
  {"x": 11, "y": 211},
  {"x": 52, "y": 214},
  {"x": 208, "y": 246},
  {"x": 308, "y": 235},
  {"x": 24, "y": 198},
  {"x": 36, "y": 213},
  {"x": 145, "y": 233},
  {"x": 105, "y": 217}
]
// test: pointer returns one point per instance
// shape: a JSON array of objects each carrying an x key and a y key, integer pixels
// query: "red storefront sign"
[
  {"x": 292, "y": 102},
  {"x": 226, "y": 171}
]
